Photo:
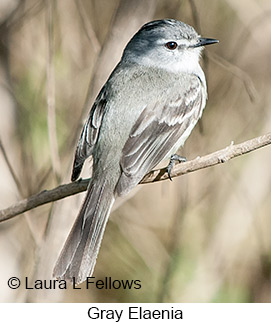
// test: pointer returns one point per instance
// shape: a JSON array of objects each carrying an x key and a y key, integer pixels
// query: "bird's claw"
[{"x": 172, "y": 161}]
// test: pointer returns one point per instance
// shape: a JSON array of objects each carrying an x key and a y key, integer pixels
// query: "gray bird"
[{"x": 142, "y": 115}]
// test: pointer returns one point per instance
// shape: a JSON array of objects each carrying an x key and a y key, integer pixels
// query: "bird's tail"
[{"x": 78, "y": 257}]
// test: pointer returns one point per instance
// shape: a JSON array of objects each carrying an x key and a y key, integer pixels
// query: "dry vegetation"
[{"x": 205, "y": 237}]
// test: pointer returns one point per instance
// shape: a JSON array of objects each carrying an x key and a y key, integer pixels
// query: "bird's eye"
[{"x": 171, "y": 45}]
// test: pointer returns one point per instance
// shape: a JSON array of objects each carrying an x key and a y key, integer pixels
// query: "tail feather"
[{"x": 78, "y": 257}]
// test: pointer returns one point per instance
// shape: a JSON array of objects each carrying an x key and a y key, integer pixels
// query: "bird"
[{"x": 142, "y": 115}]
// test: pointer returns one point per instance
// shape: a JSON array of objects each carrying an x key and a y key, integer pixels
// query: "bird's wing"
[
  {"x": 89, "y": 134},
  {"x": 160, "y": 130}
]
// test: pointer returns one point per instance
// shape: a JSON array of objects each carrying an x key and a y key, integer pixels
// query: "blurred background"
[{"x": 205, "y": 237}]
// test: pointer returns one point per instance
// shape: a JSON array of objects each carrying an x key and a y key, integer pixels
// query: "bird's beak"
[{"x": 205, "y": 42}]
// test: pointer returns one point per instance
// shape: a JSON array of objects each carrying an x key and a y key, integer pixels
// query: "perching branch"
[
  {"x": 218, "y": 157},
  {"x": 65, "y": 190}
]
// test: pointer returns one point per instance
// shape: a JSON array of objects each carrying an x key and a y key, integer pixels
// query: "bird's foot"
[{"x": 172, "y": 161}]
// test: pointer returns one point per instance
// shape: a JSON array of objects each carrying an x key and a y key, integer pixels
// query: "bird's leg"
[{"x": 174, "y": 158}]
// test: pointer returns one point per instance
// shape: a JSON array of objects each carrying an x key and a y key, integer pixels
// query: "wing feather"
[
  {"x": 159, "y": 131},
  {"x": 89, "y": 134}
]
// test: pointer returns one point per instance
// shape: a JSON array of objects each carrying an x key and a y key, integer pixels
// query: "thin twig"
[
  {"x": 88, "y": 28},
  {"x": 12, "y": 171},
  {"x": 195, "y": 15},
  {"x": 51, "y": 113},
  {"x": 218, "y": 157},
  {"x": 44, "y": 197},
  {"x": 62, "y": 191},
  {"x": 238, "y": 72}
]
